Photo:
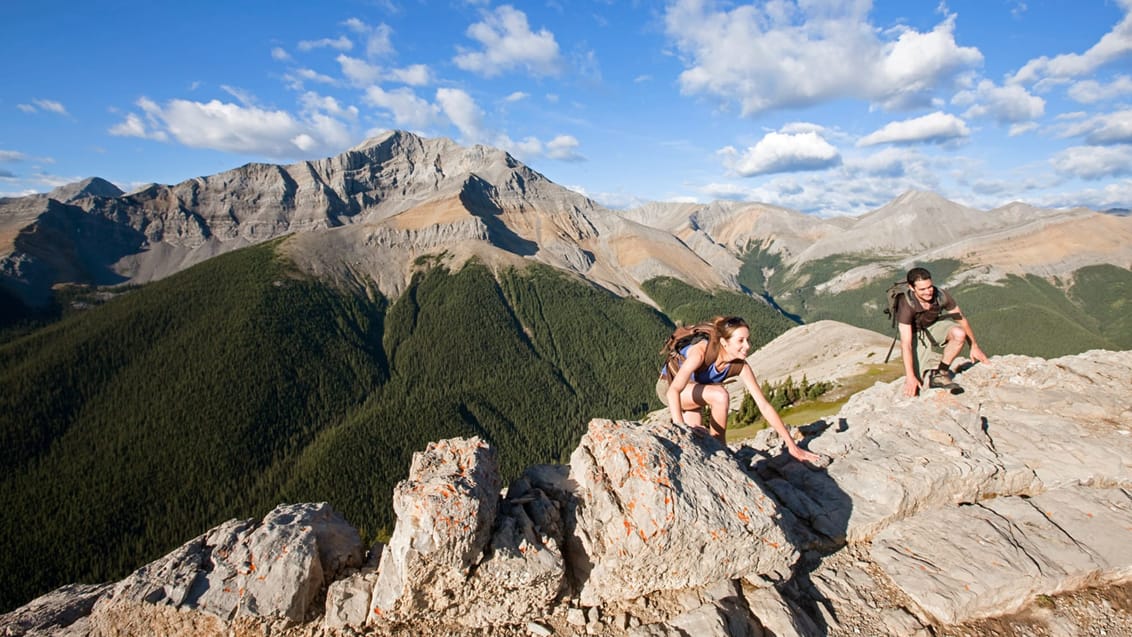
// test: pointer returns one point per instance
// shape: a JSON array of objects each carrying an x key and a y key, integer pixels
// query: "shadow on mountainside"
[
  {"x": 478, "y": 196},
  {"x": 67, "y": 244}
]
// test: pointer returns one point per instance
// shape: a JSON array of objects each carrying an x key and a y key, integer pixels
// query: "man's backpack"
[{"x": 893, "y": 294}]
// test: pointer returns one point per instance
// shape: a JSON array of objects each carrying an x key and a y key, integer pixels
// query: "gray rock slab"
[
  {"x": 274, "y": 567},
  {"x": 63, "y": 611},
  {"x": 991, "y": 558},
  {"x": 1023, "y": 426}
]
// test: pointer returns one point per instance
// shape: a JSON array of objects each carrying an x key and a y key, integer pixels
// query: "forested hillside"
[{"x": 238, "y": 384}]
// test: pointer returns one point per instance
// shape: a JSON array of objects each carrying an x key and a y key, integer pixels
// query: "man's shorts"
[{"x": 928, "y": 356}]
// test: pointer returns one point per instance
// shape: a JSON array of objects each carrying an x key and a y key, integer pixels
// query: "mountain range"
[
  {"x": 183, "y": 354},
  {"x": 364, "y": 217}
]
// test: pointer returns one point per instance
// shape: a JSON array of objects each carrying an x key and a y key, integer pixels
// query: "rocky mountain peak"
[{"x": 90, "y": 187}]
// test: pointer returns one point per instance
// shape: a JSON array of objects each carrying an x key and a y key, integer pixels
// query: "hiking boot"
[{"x": 940, "y": 379}]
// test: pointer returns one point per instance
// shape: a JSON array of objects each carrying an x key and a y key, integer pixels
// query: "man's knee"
[{"x": 956, "y": 334}]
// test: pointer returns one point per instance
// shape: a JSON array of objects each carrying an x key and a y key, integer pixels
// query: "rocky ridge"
[
  {"x": 379, "y": 205},
  {"x": 937, "y": 512}
]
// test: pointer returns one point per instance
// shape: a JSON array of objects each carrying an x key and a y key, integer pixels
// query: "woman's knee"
[{"x": 717, "y": 397}]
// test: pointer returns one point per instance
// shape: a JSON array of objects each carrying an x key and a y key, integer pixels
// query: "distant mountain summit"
[{"x": 92, "y": 187}]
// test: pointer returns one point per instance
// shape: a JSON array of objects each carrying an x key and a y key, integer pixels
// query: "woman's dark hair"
[
  {"x": 918, "y": 274},
  {"x": 725, "y": 326}
]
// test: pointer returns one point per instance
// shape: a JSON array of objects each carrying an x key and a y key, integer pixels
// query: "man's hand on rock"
[
  {"x": 911, "y": 386},
  {"x": 977, "y": 354}
]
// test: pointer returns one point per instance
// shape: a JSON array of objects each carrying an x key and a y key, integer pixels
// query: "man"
[{"x": 927, "y": 318}]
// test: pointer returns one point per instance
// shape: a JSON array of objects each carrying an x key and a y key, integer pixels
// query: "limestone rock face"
[
  {"x": 62, "y": 612},
  {"x": 272, "y": 568},
  {"x": 657, "y": 511},
  {"x": 971, "y": 505},
  {"x": 445, "y": 511}
]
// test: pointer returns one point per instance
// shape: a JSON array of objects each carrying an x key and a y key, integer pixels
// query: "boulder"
[
  {"x": 275, "y": 568},
  {"x": 445, "y": 510},
  {"x": 62, "y": 612},
  {"x": 662, "y": 509}
]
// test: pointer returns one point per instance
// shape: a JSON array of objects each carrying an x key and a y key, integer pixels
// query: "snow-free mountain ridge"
[{"x": 365, "y": 216}]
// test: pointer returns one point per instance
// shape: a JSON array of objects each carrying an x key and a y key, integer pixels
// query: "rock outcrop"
[{"x": 936, "y": 511}]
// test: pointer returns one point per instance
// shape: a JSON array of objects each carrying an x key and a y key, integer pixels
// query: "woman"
[{"x": 698, "y": 382}]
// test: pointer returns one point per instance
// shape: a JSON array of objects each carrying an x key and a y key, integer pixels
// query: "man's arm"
[
  {"x": 911, "y": 382},
  {"x": 976, "y": 351}
]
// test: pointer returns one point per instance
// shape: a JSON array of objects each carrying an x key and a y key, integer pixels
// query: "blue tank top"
[{"x": 708, "y": 375}]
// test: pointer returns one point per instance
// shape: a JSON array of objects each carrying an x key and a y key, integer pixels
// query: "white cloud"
[
  {"x": 1112, "y": 46},
  {"x": 1104, "y": 129},
  {"x": 463, "y": 112},
  {"x": 564, "y": 148},
  {"x": 37, "y": 105},
  {"x": 516, "y": 96},
  {"x": 782, "y": 152},
  {"x": 1094, "y": 162},
  {"x": 359, "y": 72},
  {"x": 241, "y": 128},
  {"x": 509, "y": 43},
  {"x": 802, "y": 127},
  {"x": 526, "y": 149},
  {"x": 51, "y": 106},
  {"x": 315, "y": 103},
  {"x": 1022, "y": 129},
  {"x": 10, "y": 156},
  {"x": 341, "y": 43},
  {"x": 1006, "y": 104},
  {"x": 408, "y": 110},
  {"x": 229, "y": 127},
  {"x": 244, "y": 97},
  {"x": 297, "y": 78},
  {"x": 1092, "y": 91},
  {"x": 413, "y": 75},
  {"x": 1114, "y": 195},
  {"x": 281, "y": 54},
  {"x": 134, "y": 126},
  {"x": 797, "y": 53},
  {"x": 890, "y": 162},
  {"x": 379, "y": 39},
  {"x": 932, "y": 128}
]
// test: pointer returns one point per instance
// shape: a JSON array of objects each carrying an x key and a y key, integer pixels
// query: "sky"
[{"x": 829, "y": 107}]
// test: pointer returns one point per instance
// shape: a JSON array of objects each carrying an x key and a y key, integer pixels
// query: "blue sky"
[{"x": 824, "y": 106}]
